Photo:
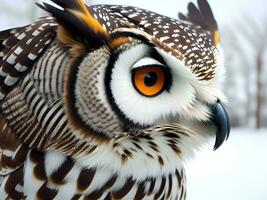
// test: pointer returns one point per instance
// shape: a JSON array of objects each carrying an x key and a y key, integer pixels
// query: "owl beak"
[{"x": 220, "y": 118}]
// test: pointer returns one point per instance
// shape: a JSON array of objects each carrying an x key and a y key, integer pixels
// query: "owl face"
[
  {"x": 140, "y": 73},
  {"x": 148, "y": 86}
]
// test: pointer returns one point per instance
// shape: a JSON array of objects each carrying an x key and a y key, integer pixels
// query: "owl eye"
[{"x": 149, "y": 81}]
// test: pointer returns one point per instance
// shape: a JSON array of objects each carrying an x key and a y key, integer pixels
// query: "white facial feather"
[
  {"x": 147, "y": 110},
  {"x": 188, "y": 144}
]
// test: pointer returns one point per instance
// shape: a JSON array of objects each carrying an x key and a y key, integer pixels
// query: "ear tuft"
[
  {"x": 78, "y": 22},
  {"x": 203, "y": 17}
]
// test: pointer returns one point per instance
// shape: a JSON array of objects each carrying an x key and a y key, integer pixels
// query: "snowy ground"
[{"x": 237, "y": 171}]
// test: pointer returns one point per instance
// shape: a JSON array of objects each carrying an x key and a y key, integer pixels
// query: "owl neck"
[{"x": 151, "y": 152}]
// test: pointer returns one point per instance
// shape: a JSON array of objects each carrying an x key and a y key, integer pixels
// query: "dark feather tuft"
[
  {"x": 203, "y": 17},
  {"x": 78, "y": 21}
]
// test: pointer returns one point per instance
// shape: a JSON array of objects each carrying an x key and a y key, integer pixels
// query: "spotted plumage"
[{"x": 107, "y": 102}]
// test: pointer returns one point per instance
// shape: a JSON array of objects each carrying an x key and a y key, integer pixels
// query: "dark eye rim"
[{"x": 167, "y": 74}]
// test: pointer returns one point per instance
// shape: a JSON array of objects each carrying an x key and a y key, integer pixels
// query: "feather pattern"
[
  {"x": 20, "y": 52},
  {"x": 61, "y": 177},
  {"x": 41, "y": 155},
  {"x": 76, "y": 19},
  {"x": 188, "y": 42},
  {"x": 12, "y": 152}
]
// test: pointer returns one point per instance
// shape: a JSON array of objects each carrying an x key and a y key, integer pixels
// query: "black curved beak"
[{"x": 220, "y": 118}]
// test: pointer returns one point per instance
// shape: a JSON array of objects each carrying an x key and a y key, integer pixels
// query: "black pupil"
[{"x": 150, "y": 79}]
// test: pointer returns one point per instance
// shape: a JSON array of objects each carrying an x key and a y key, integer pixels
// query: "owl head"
[{"x": 133, "y": 69}]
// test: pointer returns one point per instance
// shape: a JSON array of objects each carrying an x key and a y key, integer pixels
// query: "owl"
[{"x": 107, "y": 102}]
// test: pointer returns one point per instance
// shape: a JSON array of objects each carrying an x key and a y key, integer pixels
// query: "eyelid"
[{"x": 147, "y": 61}]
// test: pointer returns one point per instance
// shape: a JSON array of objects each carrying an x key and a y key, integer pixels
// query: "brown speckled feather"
[
  {"x": 43, "y": 153},
  {"x": 12, "y": 152},
  {"x": 20, "y": 50}
]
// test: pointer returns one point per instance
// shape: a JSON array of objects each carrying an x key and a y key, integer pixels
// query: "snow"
[{"x": 236, "y": 171}]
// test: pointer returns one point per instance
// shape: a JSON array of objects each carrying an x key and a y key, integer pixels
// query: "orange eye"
[{"x": 149, "y": 80}]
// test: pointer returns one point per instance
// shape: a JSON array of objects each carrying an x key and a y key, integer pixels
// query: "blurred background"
[{"x": 238, "y": 170}]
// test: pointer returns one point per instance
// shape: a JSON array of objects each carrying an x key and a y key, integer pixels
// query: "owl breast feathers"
[{"x": 107, "y": 102}]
